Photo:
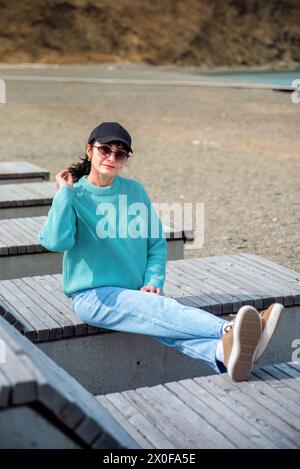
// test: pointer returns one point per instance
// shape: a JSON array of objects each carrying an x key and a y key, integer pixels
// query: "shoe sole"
[
  {"x": 275, "y": 317},
  {"x": 246, "y": 335}
]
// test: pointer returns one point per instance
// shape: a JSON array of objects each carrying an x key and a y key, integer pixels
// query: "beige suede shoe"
[
  {"x": 270, "y": 319},
  {"x": 240, "y": 341}
]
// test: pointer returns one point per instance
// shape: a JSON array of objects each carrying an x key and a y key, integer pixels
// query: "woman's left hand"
[{"x": 149, "y": 288}]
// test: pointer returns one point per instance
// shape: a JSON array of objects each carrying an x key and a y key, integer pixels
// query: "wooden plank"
[
  {"x": 25, "y": 242},
  {"x": 11, "y": 241},
  {"x": 47, "y": 314},
  {"x": 5, "y": 390},
  {"x": 257, "y": 429},
  {"x": 27, "y": 194},
  {"x": 134, "y": 432},
  {"x": 266, "y": 284},
  {"x": 139, "y": 421},
  {"x": 240, "y": 295},
  {"x": 264, "y": 263},
  {"x": 211, "y": 282},
  {"x": 65, "y": 390},
  {"x": 25, "y": 309},
  {"x": 52, "y": 307},
  {"x": 213, "y": 418},
  {"x": 8, "y": 310},
  {"x": 258, "y": 299},
  {"x": 197, "y": 288},
  {"x": 259, "y": 413},
  {"x": 204, "y": 287},
  {"x": 290, "y": 282},
  {"x": 227, "y": 413},
  {"x": 288, "y": 397},
  {"x": 58, "y": 300},
  {"x": 88, "y": 430},
  {"x": 21, "y": 169},
  {"x": 29, "y": 236},
  {"x": 172, "y": 417},
  {"x": 229, "y": 264},
  {"x": 22, "y": 382}
]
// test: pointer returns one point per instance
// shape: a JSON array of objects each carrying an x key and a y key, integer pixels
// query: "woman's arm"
[
  {"x": 58, "y": 232},
  {"x": 156, "y": 252}
]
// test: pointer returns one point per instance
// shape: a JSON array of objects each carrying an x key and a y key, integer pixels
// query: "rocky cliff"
[{"x": 205, "y": 33}]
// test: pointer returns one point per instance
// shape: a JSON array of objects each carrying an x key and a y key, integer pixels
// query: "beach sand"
[{"x": 235, "y": 150}]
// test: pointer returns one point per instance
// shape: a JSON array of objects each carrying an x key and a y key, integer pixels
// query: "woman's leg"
[{"x": 193, "y": 331}]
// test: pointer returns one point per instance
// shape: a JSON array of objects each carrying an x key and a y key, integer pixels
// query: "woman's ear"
[{"x": 89, "y": 151}]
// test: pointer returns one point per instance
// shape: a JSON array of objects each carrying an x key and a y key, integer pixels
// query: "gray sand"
[{"x": 236, "y": 150}]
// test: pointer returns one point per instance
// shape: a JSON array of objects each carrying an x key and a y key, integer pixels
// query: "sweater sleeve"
[
  {"x": 156, "y": 249},
  {"x": 58, "y": 231}
]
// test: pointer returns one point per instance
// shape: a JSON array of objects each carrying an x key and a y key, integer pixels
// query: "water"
[{"x": 270, "y": 78}]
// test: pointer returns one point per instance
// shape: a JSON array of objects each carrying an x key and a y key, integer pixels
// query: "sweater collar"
[{"x": 98, "y": 190}]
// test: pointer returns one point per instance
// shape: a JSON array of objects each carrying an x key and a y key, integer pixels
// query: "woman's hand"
[
  {"x": 64, "y": 178},
  {"x": 150, "y": 289}
]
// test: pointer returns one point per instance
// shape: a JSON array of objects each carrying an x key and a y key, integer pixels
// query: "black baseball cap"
[{"x": 110, "y": 131}]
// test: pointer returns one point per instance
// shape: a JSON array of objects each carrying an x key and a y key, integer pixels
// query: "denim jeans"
[{"x": 192, "y": 331}]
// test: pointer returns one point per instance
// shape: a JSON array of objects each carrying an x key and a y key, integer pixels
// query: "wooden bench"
[
  {"x": 22, "y": 171},
  {"x": 26, "y": 199},
  {"x": 219, "y": 284},
  {"x": 22, "y": 255},
  {"x": 204, "y": 412},
  {"x": 41, "y": 406},
  {"x": 213, "y": 412}
]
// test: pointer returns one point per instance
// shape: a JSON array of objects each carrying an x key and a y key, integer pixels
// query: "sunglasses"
[{"x": 106, "y": 151}]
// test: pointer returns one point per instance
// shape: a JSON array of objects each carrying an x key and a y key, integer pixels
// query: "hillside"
[{"x": 205, "y": 33}]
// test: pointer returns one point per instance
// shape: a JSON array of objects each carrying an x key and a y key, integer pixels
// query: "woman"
[{"x": 114, "y": 265}]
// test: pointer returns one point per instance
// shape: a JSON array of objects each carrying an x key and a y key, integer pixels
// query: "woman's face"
[{"x": 106, "y": 159}]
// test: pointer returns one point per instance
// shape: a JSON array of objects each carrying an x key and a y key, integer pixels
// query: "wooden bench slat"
[
  {"x": 199, "y": 404},
  {"x": 271, "y": 413},
  {"x": 52, "y": 306},
  {"x": 135, "y": 433},
  {"x": 21, "y": 380},
  {"x": 240, "y": 295},
  {"x": 58, "y": 391},
  {"x": 140, "y": 421},
  {"x": 257, "y": 429},
  {"x": 22, "y": 169},
  {"x": 211, "y": 290},
  {"x": 25, "y": 309},
  {"x": 283, "y": 395},
  {"x": 267, "y": 283},
  {"x": 42, "y": 310},
  {"x": 259, "y": 301}
]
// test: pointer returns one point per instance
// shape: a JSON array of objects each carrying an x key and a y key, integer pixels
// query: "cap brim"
[{"x": 108, "y": 139}]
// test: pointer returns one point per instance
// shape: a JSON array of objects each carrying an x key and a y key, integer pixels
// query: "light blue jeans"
[{"x": 192, "y": 331}]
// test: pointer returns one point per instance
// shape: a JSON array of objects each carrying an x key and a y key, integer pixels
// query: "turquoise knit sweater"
[{"x": 106, "y": 240}]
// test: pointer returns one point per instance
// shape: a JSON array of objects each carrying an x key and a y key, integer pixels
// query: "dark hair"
[{"x": 83, "y": 167}]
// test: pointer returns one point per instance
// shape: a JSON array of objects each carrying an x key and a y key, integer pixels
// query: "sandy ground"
[{"x": 235, "y": 150}]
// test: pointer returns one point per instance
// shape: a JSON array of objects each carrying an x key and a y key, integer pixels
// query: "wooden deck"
[
  {"x": 37, "y": 395},
  {"x": 214, "y": 412},
  {"x": 26, "y": 199},
  {"x": 219, "y": 284},
  {"x": 206, "y": 412},
  {"x": 22, "y": 171},
  {"x": 19, "y": 247}
]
